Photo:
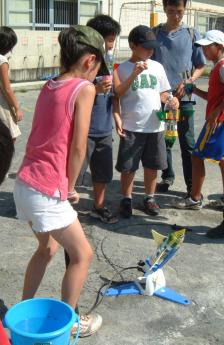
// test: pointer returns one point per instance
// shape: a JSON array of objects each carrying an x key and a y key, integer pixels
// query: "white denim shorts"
[{"x": 46, "y": 213}]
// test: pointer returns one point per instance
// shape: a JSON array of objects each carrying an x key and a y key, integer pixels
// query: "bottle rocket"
[{"x": 171, "y": 122}]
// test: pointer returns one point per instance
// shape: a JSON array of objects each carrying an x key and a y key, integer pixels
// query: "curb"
[{"x": 27, "y": 86}]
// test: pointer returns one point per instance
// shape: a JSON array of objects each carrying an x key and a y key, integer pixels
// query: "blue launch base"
[{"x": 132, "y": 289}]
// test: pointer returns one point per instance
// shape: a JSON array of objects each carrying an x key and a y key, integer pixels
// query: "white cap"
[{"x": 211, "y": 36}]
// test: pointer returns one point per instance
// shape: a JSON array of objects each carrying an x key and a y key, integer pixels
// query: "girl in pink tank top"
[{"x": 54, "y": 155}]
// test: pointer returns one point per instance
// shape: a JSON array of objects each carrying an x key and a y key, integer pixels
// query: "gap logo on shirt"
[{"x": 144, "y": 81}]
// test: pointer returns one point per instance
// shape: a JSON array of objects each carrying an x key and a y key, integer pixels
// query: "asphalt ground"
[{"x": 196, "y": 271}]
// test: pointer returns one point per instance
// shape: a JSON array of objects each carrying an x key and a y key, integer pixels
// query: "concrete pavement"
[{"x": 196, "y": 271}]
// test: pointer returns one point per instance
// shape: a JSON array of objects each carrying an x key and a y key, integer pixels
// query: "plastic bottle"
[
  {"x": 109, "y": 59},
  {"x": 171, "y": 122}
]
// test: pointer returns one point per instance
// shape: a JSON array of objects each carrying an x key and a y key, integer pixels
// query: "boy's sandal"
[{"x": 105, "y": 215}]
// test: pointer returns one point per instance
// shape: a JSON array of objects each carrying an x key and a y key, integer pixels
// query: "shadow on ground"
[
  {"x": 7, "y": 205},
  {"x": 3, "y": 309}
]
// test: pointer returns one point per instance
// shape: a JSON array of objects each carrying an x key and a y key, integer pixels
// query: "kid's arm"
[
  {"x": 200, "y": 93},
  {"x": 82, "y": 115},
  {"x": 8, "y": 91},
  {"x": 180, "y": 91},
  {"x": 197, "y": 73},
  {"x": 117, "y": 117},
  {"x": 121, "y": 87}
]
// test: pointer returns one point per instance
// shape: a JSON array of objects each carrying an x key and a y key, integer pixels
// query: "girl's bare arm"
[
  {"x": 82, "y": 115},
  {"x": 8, "y": 91}
]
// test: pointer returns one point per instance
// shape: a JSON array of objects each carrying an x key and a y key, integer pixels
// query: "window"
[
  {"x": 219, "y": 25},
  {"x": 55, "y": 14},
  {"x": 207, "y": 22},
  {"x": 42, "y": 14},
  {"x": 88, "y": 10},
  {"x": 49, "y": 14},
  {"x": 19, "y": 13}
]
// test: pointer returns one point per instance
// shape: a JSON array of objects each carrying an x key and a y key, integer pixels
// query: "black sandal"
[{"x": 104, "y": 215}]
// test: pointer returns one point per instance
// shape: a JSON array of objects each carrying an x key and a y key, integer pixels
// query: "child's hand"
[
  {"x": 104, "y": 86},
  {"x": 119, "y": 128},
  {"x": 73, "y": 197},
  {"x": 174, "y": 103},
  {"x": 19, "y": 115},
  {"x": 180, "y": 90},
  {"x": 139, "y": 67}
]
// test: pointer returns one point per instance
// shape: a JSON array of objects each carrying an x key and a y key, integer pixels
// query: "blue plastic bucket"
[{"x": 41, "y": 321}]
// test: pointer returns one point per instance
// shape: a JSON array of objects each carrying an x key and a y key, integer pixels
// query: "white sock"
[{"x": 149, "y": 196}]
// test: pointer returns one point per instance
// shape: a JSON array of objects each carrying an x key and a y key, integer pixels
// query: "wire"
[
  {"x": 98, "y": 301},
  {"x": 108, "y": 260}
]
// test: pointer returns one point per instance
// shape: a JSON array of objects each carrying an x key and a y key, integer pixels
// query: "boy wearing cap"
[
  {"x": 210, "y": 143},
  {"x": 180, "y": 59},
  {"x": 141, "y": 84}
]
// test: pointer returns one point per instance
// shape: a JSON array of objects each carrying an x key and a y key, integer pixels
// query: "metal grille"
[
  {"x": 64, "y": 14},
  {"x": 55, "y": 14},
  {"x": 42, "y": 14},
  {"x": 219, "y": 25}
]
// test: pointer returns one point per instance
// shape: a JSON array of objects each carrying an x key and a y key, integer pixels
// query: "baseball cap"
[
  {"x": 89, "y": 36},
  {"x": 211, "y": 36},
  {"x": 143, "y": 36}
]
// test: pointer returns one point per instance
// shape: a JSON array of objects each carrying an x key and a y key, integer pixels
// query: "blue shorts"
[{"x": 210, "y": 143}]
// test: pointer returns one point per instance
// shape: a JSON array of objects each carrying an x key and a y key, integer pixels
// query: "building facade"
[{"x": 37, "y": 23}]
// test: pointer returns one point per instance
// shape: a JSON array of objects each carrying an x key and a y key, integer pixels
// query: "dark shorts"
[
  {"x": 99, "y": 158},
  {"x": 149, "y": 148}
]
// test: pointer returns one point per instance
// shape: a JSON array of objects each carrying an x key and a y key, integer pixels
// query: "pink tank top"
[{"x": 44, "y": 166}]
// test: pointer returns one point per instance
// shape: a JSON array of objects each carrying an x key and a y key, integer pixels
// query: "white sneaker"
[
  {"x": 89, "y": 324},
  {"x": 188, "y": 204}
]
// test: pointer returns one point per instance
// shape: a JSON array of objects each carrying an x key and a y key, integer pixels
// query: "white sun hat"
[{"x": 211, "y": 36}]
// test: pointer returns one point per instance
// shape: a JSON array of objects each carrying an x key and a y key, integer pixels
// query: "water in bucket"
[{"x": 41, "y": 321}]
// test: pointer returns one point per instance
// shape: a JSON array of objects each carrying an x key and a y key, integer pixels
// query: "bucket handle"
[{"x": 77, "y": 334}]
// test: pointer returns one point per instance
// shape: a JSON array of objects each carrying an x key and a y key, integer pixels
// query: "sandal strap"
[{"x": 105, "y": 213}]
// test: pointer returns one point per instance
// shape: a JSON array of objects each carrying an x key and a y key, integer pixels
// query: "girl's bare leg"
[
  {"x": 37, "y": 266},
  {"x": 80, "y": 253},
  {"x": 78, "y": 248}
]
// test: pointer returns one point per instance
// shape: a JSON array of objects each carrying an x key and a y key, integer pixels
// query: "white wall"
[{"x": 37, "y": 52}]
